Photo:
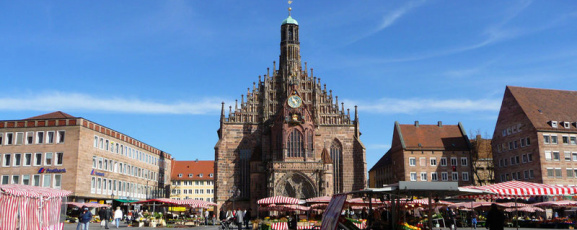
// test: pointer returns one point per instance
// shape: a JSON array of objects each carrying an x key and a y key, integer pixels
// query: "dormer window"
[
  {"x": 190, "y": 175},
  {"x": 211, "y": 175},
  {"x": 567, "y": 125},
  {"x": 180, "y": 175},
  {"x": 554, "y": 124},
  {"x": 200, "y": 175}
]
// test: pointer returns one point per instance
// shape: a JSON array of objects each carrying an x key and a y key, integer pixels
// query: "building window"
[
  {"x": 423, "y": 161},
  {"x": 531, "y": 174},
  {"x": 550, "y": 173},
  {"x": 453, "y": 161},
  {"x": 443, "y": 161},
  {"x": 1, "y": 138},
  {"x": 567, "y": 156},
  {"x": 17, "y": 159},
  {"x": 554, "y": 124},
  {"x": 556, "y": 156},
  {"x": 465, "y": 176},
  {"x": 59, "y": 158},
  {"x": 295, "y": 144},
  {"x": 9, "y": 138},
  {"x": 573, "y": 140},
  {"x": 19, "y": 138},
  {"x": 27, "y": 159},
  {"x": 530, "y": 157},
  {"x": 546, "y": 139},
  {"x": 463, "y": 161},
  {"x": 565, "y": 140},
  {"x": 554, "y": 139},
  {"x": 558, "y": 173},
  {"x": 444, "y": 176},
  {"x": 528, "y": 141},
  {"x": 526, "y": 174},
  {"x": 569, "y": 173},
  {"x": 26, "y": 179},
  {"x": 106, "y": 145},
  {"x": 7, "y": 160},
  {"x": 245, "y": 155},
  {"x": 413, "y": 176},
  {"x": 524, "y": 158},
  {"x": 412, "y": 161},
  {"x": 200, "y": 175},
  {"x": 5, "y": 179},
  {"x": 423, "y": 176},
  {"x": 50, "y": 137},
  {"x": 434, "y": 176},
  {"x": 574, "y": 156},
  {"x": 455, "y": 176},
  {"x": 57, "y": 181},
  {"x": 433, "y": 161},
  {"x": 39, "y": 137},
  {"x": 15, "y": 179},
  {"x": 512, "y": 160},
  {"x": 180, "y": 175},
  {"x": 548, "y": 155},
  {"x": 515, "y": 144},
  {"x": 211, "y": 175},
  {"x": 566, "y": 125},
  {"x": 336, "y": 154},
  {"x": 47, "y": 181}
]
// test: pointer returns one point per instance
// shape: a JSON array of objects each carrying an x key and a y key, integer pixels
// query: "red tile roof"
[
  {"x": 544, "y": 105},
  {"x": 192, "y": 167},
  {"x": 53, "y": 115},
  {"x": 446, "y": 137}
]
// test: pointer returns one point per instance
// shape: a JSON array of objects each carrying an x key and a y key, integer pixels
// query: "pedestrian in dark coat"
[
  {"x": 247, "y": 217},
  {"x": 84, "y": 219},
  {"x": 495, "y": 219}
]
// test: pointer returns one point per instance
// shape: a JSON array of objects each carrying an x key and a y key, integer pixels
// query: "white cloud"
[
  {"x": 417, "y": 105},
  {"x": 55, "y": 101},
  {"x": 390, "y": 18}
]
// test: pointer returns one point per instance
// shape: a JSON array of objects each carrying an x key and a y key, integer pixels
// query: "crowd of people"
[{"x": 238, "y": 217}]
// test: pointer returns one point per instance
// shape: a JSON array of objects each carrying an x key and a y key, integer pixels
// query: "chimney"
[
  {"x": 196, "y": 160},
  {"x": 440, "y": 124},
  {"x": 416, "y": 123}
]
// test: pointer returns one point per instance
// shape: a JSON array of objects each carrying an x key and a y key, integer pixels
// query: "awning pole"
[
  {"x": 516, "y": 214},
  {"x": 430, "y": 212}
]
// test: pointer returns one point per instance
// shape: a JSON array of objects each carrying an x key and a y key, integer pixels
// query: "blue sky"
[{"x": 158, "y": 70}]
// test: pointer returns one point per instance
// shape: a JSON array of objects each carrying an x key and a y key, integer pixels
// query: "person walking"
[
  {"x": 452, "y": 218},
  {"x": 239, "y": 220},
  {"x": 102, "y": 213},
  {"x": 495, "y": 218},
  {"x": 474, "y": 219},
  {"x": 247, "y": 217},
  {"x": 206, "y": 216},
  {"x": 84, "y": 219},
  {"x": 117, "y": 216}
]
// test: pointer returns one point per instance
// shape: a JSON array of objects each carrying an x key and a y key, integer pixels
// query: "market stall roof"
[
  {"x": 424, "y": 189},
  {"x": 89, "y": 205},
  {"x": 525, "y": 209},
  {"x": 321, "y": 199},
  {"x": 559, "y": 203},
  {"x": 125, "y": 200},
  {"x": 32, "y": 191},
  {"x": 522, "y": 189},
  {"x": 278, "y": 200}
]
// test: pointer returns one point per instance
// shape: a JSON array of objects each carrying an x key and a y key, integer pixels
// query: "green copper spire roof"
[{"x": 290, "y": 20}]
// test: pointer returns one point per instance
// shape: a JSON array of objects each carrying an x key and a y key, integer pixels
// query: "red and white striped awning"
[
  {"x": 525, "y": 209},
  {"x": 560, "y": 203},
  {"x": 32, "y": 191},
  {"x": 322, "y": 199},
  {"x": 522, "y": 189},
  {"x": 89, "y": 205},
  {"x": 278, "y": 200}
]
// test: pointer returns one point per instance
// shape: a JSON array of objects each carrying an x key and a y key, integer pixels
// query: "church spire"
[{"x": 290, "y": 58}]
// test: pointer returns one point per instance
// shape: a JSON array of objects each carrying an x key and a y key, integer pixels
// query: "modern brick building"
[
  {"x": 192, "y": 180},
  {"x": 483, "y": 168},
  {"x": 425, "y": 153},
  {"x": 535, "y": 136},
  {"x": 289, "y": 136},
  {"x": 95, "y": 162}
]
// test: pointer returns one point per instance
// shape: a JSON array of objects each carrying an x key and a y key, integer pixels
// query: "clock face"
[{"x": 295, "y": 101}]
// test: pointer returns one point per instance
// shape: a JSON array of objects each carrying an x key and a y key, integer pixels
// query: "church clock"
[{"x": 295, "y": 101}]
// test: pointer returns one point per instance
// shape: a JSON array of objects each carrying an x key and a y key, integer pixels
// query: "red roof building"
[
  {"x": 425, "y": 153},
  {"x": 192, "y": 180}
]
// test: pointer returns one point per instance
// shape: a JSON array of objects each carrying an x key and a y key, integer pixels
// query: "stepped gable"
[
  {"x": 53, "y": 115},
  {"x": 544, "y": 105},
  {"x": 262, "y": 102}
]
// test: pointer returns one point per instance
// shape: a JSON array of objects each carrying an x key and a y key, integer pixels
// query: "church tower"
[{"x": 288, "y": 137}]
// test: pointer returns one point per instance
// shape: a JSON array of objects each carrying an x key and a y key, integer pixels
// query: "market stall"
[{"x": 30, "y": 207}]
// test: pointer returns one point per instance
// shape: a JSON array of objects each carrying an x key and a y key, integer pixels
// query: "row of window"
[
  {"x": 106, "y": 186},
  {"x": 523, "y": 142},
  {"x": 566, "y": 124},
  {"x": 210, "y": 199},
  {"x": 196, "y": 191},
  {"x": 433, "y": 161},
  {"x": 556, "y": 156},
  {"x": 511, "y": 130},
  {"x": 558, "y": 173},
  {"x": 199, "y": 175},
  {"x": 516, "y": 160},
  {"x": 32, "y": 159},
  {"x": 189, "y": 182},
  {"x": 46, "y": 180},
  {"x": 553, "y": 139},
  {"x": 31, "y": 137},
  {"x": 528, "y": 174},
  {"x": 123, "y": 168},
  {"x": 106, "y": 145},
  {"x": 444, "y": 176}
]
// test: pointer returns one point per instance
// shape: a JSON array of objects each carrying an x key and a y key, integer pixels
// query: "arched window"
[
  {"x": 337, "y": 157},
  {"x": 295, "y": 144}
]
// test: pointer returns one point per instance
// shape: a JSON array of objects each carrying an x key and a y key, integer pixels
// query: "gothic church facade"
[{"x": 288, "y": 137}]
